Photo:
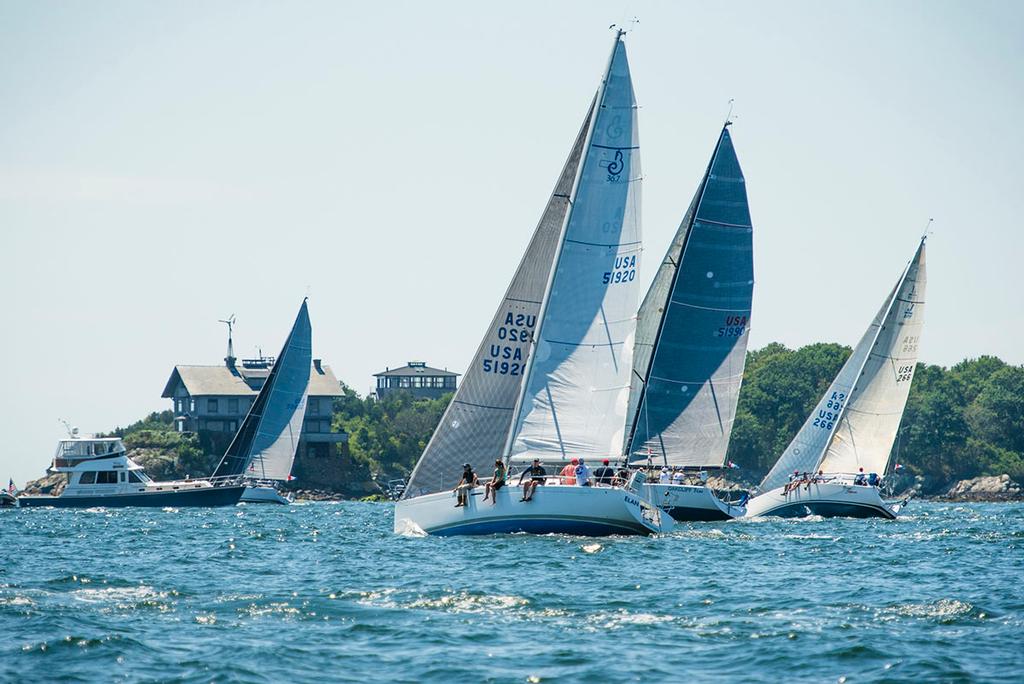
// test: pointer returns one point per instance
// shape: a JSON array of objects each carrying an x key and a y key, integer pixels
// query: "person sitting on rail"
[
  {"x": 496, "y": 483},
  {"x": 466, "y": 483},
  {"x": 537, "y": 475}
]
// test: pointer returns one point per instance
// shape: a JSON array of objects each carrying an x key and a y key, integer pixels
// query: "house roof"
[
  {"x": 414, "y": 368},
  {"x": 223, "y": 381}
]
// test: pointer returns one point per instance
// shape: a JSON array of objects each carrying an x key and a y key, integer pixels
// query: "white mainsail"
[
  {"x": 888, "y": 342},
  {"x": 868, "y": 426},
  {"x": 577, "y": 387},
  {"x": 476, "y": 424},
  {"x": 693, "y": 327}
]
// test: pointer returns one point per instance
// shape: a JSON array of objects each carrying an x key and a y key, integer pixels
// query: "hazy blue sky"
[{"x": 163, "y": 165}]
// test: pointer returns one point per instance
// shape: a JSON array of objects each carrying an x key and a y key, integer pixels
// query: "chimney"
[{"x": 317, "y": 364}]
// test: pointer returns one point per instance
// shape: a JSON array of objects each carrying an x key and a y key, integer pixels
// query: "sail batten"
[{"x": 692, "y": 326}]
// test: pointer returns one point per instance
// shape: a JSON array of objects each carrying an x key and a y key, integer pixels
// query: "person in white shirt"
[
  {"x": 582, "y": 474},
  {"x": 677, "y": 476},
  {"x": 665, "y": 477}
]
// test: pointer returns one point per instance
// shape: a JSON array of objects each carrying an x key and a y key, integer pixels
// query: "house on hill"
[
  {"x": 217, "y": 398},
  {"x": 417, "y": 378}
]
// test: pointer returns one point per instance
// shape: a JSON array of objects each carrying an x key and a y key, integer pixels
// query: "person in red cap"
[
  {"x": 568, "y": 473},
  {"x": 604, "y": 475}
]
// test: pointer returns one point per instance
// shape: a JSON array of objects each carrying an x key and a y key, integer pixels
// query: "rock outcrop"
[{"x": 991, "y": 488}]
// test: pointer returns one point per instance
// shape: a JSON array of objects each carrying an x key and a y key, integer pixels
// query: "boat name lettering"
[{"x": 632, "y": 501}]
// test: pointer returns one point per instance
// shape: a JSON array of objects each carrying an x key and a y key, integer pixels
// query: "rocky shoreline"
[{"x": 986, "y": 488}]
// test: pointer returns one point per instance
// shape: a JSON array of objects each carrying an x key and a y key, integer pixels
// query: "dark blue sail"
[
  {"x": 693, "y": 326},
  {"x": 265, "y": 444}
]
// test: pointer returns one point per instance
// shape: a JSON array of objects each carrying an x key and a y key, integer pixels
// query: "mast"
[{"x": 528, "y": 371}]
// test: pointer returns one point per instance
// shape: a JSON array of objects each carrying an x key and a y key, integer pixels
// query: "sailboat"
[
  {"x": 263, "y": 449},
  {"x": 836, "y": 463},
  {"x": 550, "y": 380},
  {"x": 691, "y": 344}
]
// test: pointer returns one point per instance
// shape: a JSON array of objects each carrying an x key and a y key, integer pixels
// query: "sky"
[{"x": 164, "y": 165}]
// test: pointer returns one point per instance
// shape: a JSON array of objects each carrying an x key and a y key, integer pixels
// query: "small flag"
[
  {"x": 10, "y": 486},
  {"x": 899, "y": 467},
  {"x": 290, "y": 477},
  {"x": 733, "y": 465}
]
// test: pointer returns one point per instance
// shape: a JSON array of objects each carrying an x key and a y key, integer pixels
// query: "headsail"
[
  {"x": 476, "y": 424},
  {"x": 692, "y": 327},
  {"x": 808, "y": 449},
  {"x": 264, "y": 446},
  {"x": 867, "y": 429},
  {"x": 577, "y": 386}
]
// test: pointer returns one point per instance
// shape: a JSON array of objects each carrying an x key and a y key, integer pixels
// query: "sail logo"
[
  {"x": 734, "y": 327},
  {"x": 613, "y": 166},
  {"x": 827, "y": 416},
  {"x": 623, "y": 271},
  {"x": 908, "y": 312}
]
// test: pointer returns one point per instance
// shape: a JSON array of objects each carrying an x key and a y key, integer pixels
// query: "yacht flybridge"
[
  {"x": 550, "y": 380},
  {"x": 99, "y": 473}
]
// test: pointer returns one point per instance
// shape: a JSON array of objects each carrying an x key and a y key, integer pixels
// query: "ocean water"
[{"x": 319, "y": 592}]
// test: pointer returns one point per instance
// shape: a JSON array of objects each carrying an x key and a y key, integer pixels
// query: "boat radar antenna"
[{"x": 230, "y": 321}]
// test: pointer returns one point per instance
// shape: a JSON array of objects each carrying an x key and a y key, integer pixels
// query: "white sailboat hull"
[
  {"x": 263, "y": 495},
  {"x": 554, "y": 509},
  {"x": 691, "y": 502},
  {"x": 827, "y": 499}
]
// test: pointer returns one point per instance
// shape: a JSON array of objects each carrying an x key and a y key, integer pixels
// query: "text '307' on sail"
[
  {"x": 691, "y": 344},
  {"x": 550, "y": 380},
  {"x": 838, "y": 461}
]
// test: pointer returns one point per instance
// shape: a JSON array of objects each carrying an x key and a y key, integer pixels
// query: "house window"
[
  {"x": 233, "y": 406},
  {"x": 314, "y": 407},
  {"x": 211, "y": 406}
]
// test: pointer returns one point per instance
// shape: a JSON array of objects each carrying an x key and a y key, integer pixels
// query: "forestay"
[
  {"x": 476, "y": 424},
  {"x": 577, "y": 386},
  {"x": 868, "y": 426},
  {"x": 264, "y": 446},
  {"x": 692, "y": 328}
]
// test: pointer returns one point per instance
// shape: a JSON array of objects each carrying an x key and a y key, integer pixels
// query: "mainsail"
[
  {"x": 693, "y": 325},
  {"x": 477, "y": 422},
  {"x": 264, "y": 446},
  {"x": 874, "y": 382},
  {"x": 577, "y": 387}
]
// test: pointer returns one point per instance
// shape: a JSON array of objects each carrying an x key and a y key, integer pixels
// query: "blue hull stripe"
[
  {"x": 215, "y": 496},
  {"x": 540, "y": 525},
  {"x": 690, "y": 514},
  {"x": 830, "y": 509}
]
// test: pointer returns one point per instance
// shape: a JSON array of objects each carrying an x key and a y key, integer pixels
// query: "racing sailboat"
[
  {"x": 263, "y": 449},
  {"x": 691, "y": 344},
  {"x": 835, "y": 465},
  {"x": 550, "y": 380}
]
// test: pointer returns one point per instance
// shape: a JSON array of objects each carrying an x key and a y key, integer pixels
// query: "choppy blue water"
[{"x": 327, "y": 592}]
